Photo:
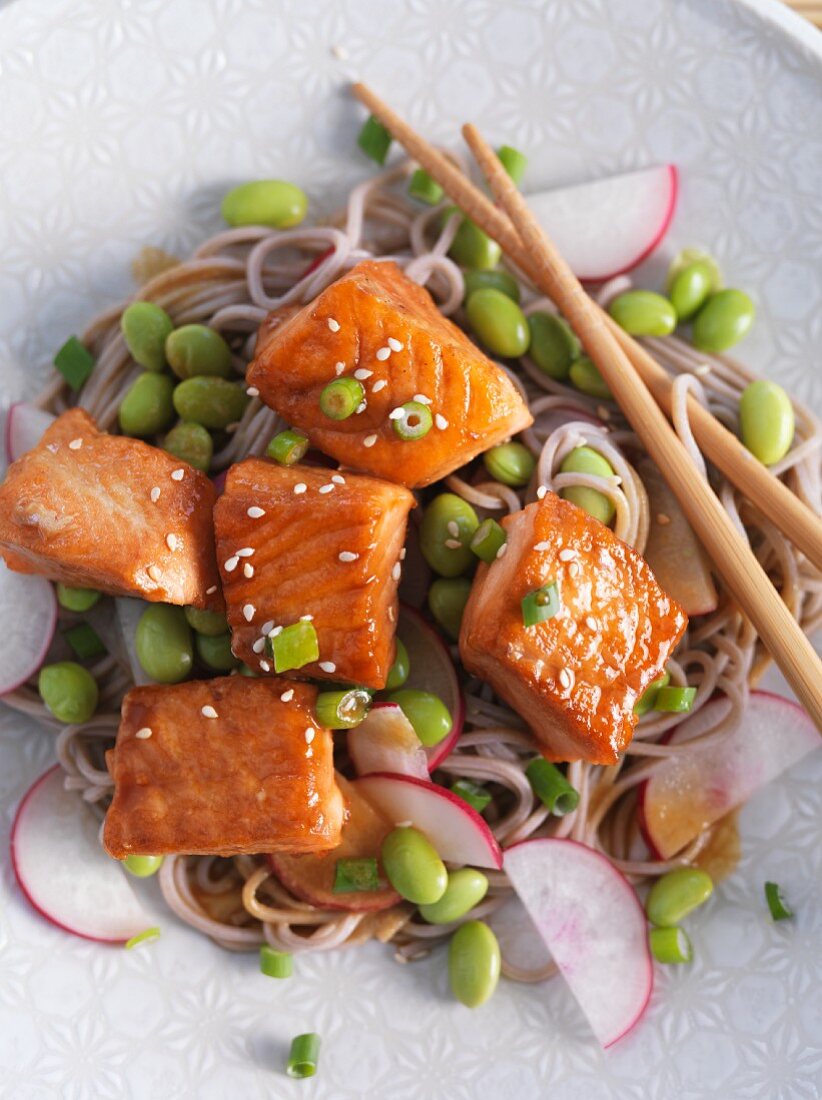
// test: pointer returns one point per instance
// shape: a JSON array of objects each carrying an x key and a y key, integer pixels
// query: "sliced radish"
[
  {"x": 520, "y": 943},
  {"x": 24, "y": 428},
  {"x": 692, "y": 790},
  {"x": 386, "y": 742},
  {"x": 593, "y": 925},
  {"x": 28, "y": 612},
  {"x": 456, "y": 830},
  {"x": 432, "y": 670},
  {"x": 64, "y": 872},
  {"x": 608, "y": 226},
  {"x": 129, "y": 613}
]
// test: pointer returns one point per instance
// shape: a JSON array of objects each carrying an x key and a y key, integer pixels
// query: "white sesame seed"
[
  {"x": 155, "y": 494},
  {"x": 248, "y": 612},
  {"x": 591, "y": 623},
  {"x": 275, "y": 631},
  {"x": 309, "y": 736},
  {"x": 662, "y": 519},
  {"x": 248, "y": 570},
  {"x": 300, "y": 487},
  {"x": 363, "y": 405},
  {"x": 540, "y": 546},
  {"x": 541, "y": 491},
  {"x": 210, "y": 591},
  {"x": 361, "y": 373},
  {"x": 369, "y": 441},
  {"x": 231, "y": 564},
  {"x": 252, "y": 391},
  {"x": 265, "y": 666},
  {"x": 267, "y": 625},
  {"x": 453, "y": 544},
  {"x": 383, "y": 354},
  {"x": 339, "y": 368},
  {"x": 255, "y": 513},
  {"x": 702, "y": 370},
  {"x": 259, "y": 645},
  {"x": 327, "y": 488},
  {"x": 328, "y": 666},
  {"x": 338, "y": 479},
  {"x": 453, "y": 528},
  {"x": 306, "y": 618},
  {"x": 396, "y": 414},
  {"x": 143, "y": 734},
  {"x": 567, "y": 554},
  {"x": 403, "y": 552},
  {"x": 422, "y": 399},
  {"x": 394, "y": 344},
  {"x": 396, "y": 572},
  {"x": 340, "y": 52},
  {"x": 404, "y": 824},
  {"x": 154, "y": 572},
  {"x": 172, "y": 542},
  {"x": 333, "y": 325},
  {"x": 565, "y": 678},
  {"x": 208, "y": 712},
  {"x": 287, "y": 696},
  {"x": 245, "y": 552},
  {"x": 75, "y": 444},
  {"x": 347, "y": 555},
  {"x": 441, "y": 422},
  {"x": 178, "y": 475},
  {"x": 380, "y": 384},
  {"x": 503, "y": 550},
  {"x": 391, "y": 615},
  {"x": 573, "y": 568}
]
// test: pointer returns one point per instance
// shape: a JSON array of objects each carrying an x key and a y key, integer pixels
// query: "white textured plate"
[{"x": 121, "y": 121}]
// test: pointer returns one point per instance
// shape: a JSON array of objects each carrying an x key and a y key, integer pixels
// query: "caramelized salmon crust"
[
  {"x": 378, "y": 327},
  {"x": 222, "y": 766},
  {"x": 104, "y": 511},
  {"x": 298, "y": 540},
  {"x": 574, "y": 678}
]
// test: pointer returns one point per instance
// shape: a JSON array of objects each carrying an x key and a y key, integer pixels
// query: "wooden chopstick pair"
[{"x": 642, "y": 389}]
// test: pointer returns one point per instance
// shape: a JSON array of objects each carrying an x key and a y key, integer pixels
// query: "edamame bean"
[
  {"x": 210, "y": 623},
  {"x": 412, "y": 866},
  {"x": 690, "y": 289},
  {"x": 675, "y": 895},
  {"x": 445, "y": 534},
  {"x": 143, "y": 866},
  {"x": 145, "y": 328},
  {"x": 498, "y": 322},
  {"x": 69, "y": 691},
  {"x": 265, "y": 202},
  {"x": 466, "y": 888},
  {"x": 473, "y": 963},
  {"x": 212, "y": 402},
  {"x": 511, "y": 463},
  {"x": 643, "y": 313},
  {"x": 427, "y": 713},
  {"x": 147, "y": 408},
  {"x": 215, "y": 652},
  {"x": 195, "y": 350},
  {"x": 554, "y": 345},
  {"x": 585, "y": 460},
  {"x": 585, "y": 377},
  {"x": 163, "y": 643},
  {"x": 691, "y": 256},
  {"x": 472, "y": 247},
  {"x": 766, "y": 421},
  {"x": 192, "y": 443},
  {"x": 447, "y": 598},
  {"x": 495, "y": 280},
  {"x": 77, "y": 599},
  {"x": 398, "y": 673},
  {"x": 725, "y": 318}
]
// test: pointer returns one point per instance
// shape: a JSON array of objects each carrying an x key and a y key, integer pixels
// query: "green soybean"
[
  {"x": 145, "y": 328},
  {"x": 691, "y": 256},
  {"x": 585, "y": 460},
  {"x": 164, "y": 644},
  {"x": 215, "y": 652},
  {"x": 192, "y": 443},
  {"x": 473, "y": 963},
  {"x": 675, "y": 895},
  {"x": 690, "y": 288},
  {"x": 766, "y": 421},
  {"x": 498, "y": 322},
  {"x": 143, "y": 866},
  {"x": 265, "y": 202},
  {"x": 77, "y": 599},
  {"x": 212, "y": 402},
  {"x": 412, "y": 866},
  {"x": 445, "y": 534},
  {"x": 195, "y": 350},
  {"x": 466, "y": 888},
  {"x": 511, "y": 463},
  {"x": 584, "y": 376},
  {"x": 69, "y": 691},
  {"x": 210, "y": 623},
  {"x": 447, "y": 598},
  {"x": 723, "y": 321},
  {"x": 472, "y": 247},
  {"x": 400, "y": 669},
  {"x": 554, "y": 345},
  {"x": 493, "y": 280},
  {"x": 147, "y": 407},
  {"x": 427, "y": 713},
  {"x": 643, "y": 313}
]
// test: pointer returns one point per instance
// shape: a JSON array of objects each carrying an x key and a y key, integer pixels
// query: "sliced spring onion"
[
  {"x": 85, "y": 641},
  {"x": 541, "y": 604},
  {"x": 647, "y": 699},
  {"x": 276, "y": 964},
  {"x": 356, "y": 875},
  {"x": 776, "y": 903},
  {"x": 374, "y": 140},
  {"x": 287, "y": 447},
  {"x": 675, "y": 700},
  {"x": 304, "y": 1054},
  {"x": 75, "y": 362},
  {"x": 487, "y": 540},
  {"x": 294, "y": 647},
  {"x": 473, "y": 793},
  {"x": 513, "y": 161},
  {"x": 422, "y": 187},
  {"x": 415, "y": 422},
  {"x": 342, "y": 710},
  {"x": 143, "y": 937},
  {"x": 670, "y": 945},
  {"x": 341, "y": 398},
  {"x": 551, "y": 787}
]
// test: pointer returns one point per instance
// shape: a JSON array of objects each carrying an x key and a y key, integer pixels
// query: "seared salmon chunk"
[
  {"x": 107, "y": 512},
  {"x": 299, "y": 543},
  {"x": 222, "y": 767},
  {"x": 384, "y": 333},
  {"x": 604, "y": 632}
]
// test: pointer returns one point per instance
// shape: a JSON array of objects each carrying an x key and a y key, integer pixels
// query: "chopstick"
[
  {"x": 770, "y": 495},
  {"x": 730, "y": 553}
]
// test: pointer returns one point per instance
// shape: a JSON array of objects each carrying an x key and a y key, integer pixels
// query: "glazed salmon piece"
[
  {"x": 104, "y": 511},
  {"x": 575, "y": 677},
  {"x": 222, "y": 766},
  {"x": 378, "y": 327},
  {"x": 294, "y": 541}
]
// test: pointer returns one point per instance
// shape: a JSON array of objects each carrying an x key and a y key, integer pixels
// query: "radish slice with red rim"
[
  {"x": 385, "y": 741},
  {"x": 63, "y": 871},
  {"x": 28, "y": 611},
  {"x": 25, "y": 427},
  {"x": 593, "y": 925},
  {"x": 432, "y": 670}
]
